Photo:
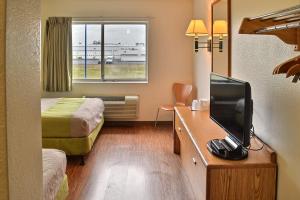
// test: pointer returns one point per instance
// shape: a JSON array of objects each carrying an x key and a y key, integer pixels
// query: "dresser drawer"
[{"x": 191, "y": 161}]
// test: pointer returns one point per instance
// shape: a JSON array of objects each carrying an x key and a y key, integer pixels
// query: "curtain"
[{"x": 57, "y": 60}]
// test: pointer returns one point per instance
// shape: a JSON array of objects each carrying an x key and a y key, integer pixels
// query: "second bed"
[{"x": 71, "y": 124}]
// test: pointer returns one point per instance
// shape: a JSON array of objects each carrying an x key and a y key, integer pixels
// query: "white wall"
[
  {"x": 170, "y": 51},
  {"x": 276, "y": 99},
  {"x": 23, "y": 99},
  {"x": 202, "y": 60}
]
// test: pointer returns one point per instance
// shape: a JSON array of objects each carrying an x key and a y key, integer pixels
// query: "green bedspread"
[{"x": 57, "y": 119}]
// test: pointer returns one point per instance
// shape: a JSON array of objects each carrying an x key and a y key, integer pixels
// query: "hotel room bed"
[
  {"x": 71, "y": 124},
  {"x": 55, "y": 181}
]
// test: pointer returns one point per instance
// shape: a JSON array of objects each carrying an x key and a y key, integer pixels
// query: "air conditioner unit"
[{"x": 120, "y": 107}]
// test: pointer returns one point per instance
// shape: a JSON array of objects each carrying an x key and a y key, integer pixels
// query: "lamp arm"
[
  {"x": 196, "y": 44},
  {"x": 208, "y": 45},
  {"x": 220, "y": 44}
]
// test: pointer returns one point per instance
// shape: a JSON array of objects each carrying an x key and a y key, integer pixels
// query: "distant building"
[{"x": 113, "y": 53}]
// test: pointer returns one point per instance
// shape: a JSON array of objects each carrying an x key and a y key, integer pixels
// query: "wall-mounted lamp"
[
  {"x": 220, "y": 29},
  {"x": 197, "y": 29}
]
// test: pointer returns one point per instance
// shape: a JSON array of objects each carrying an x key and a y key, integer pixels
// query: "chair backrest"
[{"x": 181, "y": 92}]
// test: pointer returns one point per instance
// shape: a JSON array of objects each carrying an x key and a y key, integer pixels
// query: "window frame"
[{"x": 112, "y": 22}]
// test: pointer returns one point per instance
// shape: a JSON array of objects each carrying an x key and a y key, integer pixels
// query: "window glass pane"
[
  {"x": 125, "y": 52},
  {"x": 93, "y": 64},
  {"x": 78, "y": 37}
]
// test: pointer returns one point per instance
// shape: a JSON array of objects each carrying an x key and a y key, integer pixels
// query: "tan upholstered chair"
[{"x": 181, "y": 93}]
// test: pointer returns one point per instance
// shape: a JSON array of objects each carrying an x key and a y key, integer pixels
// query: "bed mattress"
[
  {"x": 70, "y": 117},
  {"x": 74, "y": 146},
  {"x": 54, "y": 168}
]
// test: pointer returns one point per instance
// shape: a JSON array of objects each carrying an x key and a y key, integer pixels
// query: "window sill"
[{"x": 108, "y": 82}]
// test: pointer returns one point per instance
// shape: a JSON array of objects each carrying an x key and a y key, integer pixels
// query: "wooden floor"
[{"x": 130, "y": 163}]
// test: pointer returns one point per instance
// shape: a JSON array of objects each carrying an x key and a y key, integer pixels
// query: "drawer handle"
[
  {"x": 179, "y": 129},
  {"x": 194, "y": 161}
]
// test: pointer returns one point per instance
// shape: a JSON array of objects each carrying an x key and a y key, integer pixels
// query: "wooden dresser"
[{"x": 212, "y": 178}]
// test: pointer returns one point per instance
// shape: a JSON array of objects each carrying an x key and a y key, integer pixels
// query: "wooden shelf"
[{"x": 285, "y": 24}]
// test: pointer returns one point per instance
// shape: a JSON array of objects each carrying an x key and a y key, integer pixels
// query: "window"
[{"x": 114, "y": 52}]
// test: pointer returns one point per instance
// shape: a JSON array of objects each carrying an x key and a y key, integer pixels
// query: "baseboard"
[{"x": 136, "y": 123}]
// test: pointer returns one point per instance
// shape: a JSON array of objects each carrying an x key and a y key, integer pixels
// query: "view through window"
[{"x": 110, "y": 52}]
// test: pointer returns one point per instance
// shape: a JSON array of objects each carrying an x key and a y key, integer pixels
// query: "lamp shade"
[
  {"x": 220, "y": 28},
  {"x": 196, "y": 28}
]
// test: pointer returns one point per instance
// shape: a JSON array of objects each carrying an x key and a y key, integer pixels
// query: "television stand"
[
  {"x": 227, "y": 149},
  {"x": 213, "y": 178}
]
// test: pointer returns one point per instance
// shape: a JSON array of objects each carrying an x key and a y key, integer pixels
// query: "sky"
[{"x": 124, "y": 34}]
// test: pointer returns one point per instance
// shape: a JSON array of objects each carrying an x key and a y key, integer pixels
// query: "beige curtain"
[{"x": 57, "y": 60}]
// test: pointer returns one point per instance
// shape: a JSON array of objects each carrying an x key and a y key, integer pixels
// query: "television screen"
[{"x": 231, "y": 107}]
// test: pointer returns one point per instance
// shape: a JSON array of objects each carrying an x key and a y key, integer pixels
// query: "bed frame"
[{"x": 74, "y": 146}]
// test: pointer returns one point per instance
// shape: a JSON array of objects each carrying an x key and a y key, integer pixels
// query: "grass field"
[{"x": 128, "y": 71}]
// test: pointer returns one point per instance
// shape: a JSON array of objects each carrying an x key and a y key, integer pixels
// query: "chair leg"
[{"x": 156, "y": 117}]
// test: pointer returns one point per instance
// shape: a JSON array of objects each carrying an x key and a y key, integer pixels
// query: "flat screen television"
[{"x": 231, "y": 107}]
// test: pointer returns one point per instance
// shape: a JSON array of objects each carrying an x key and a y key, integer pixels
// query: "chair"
[{"x": 181, "y": 93}]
